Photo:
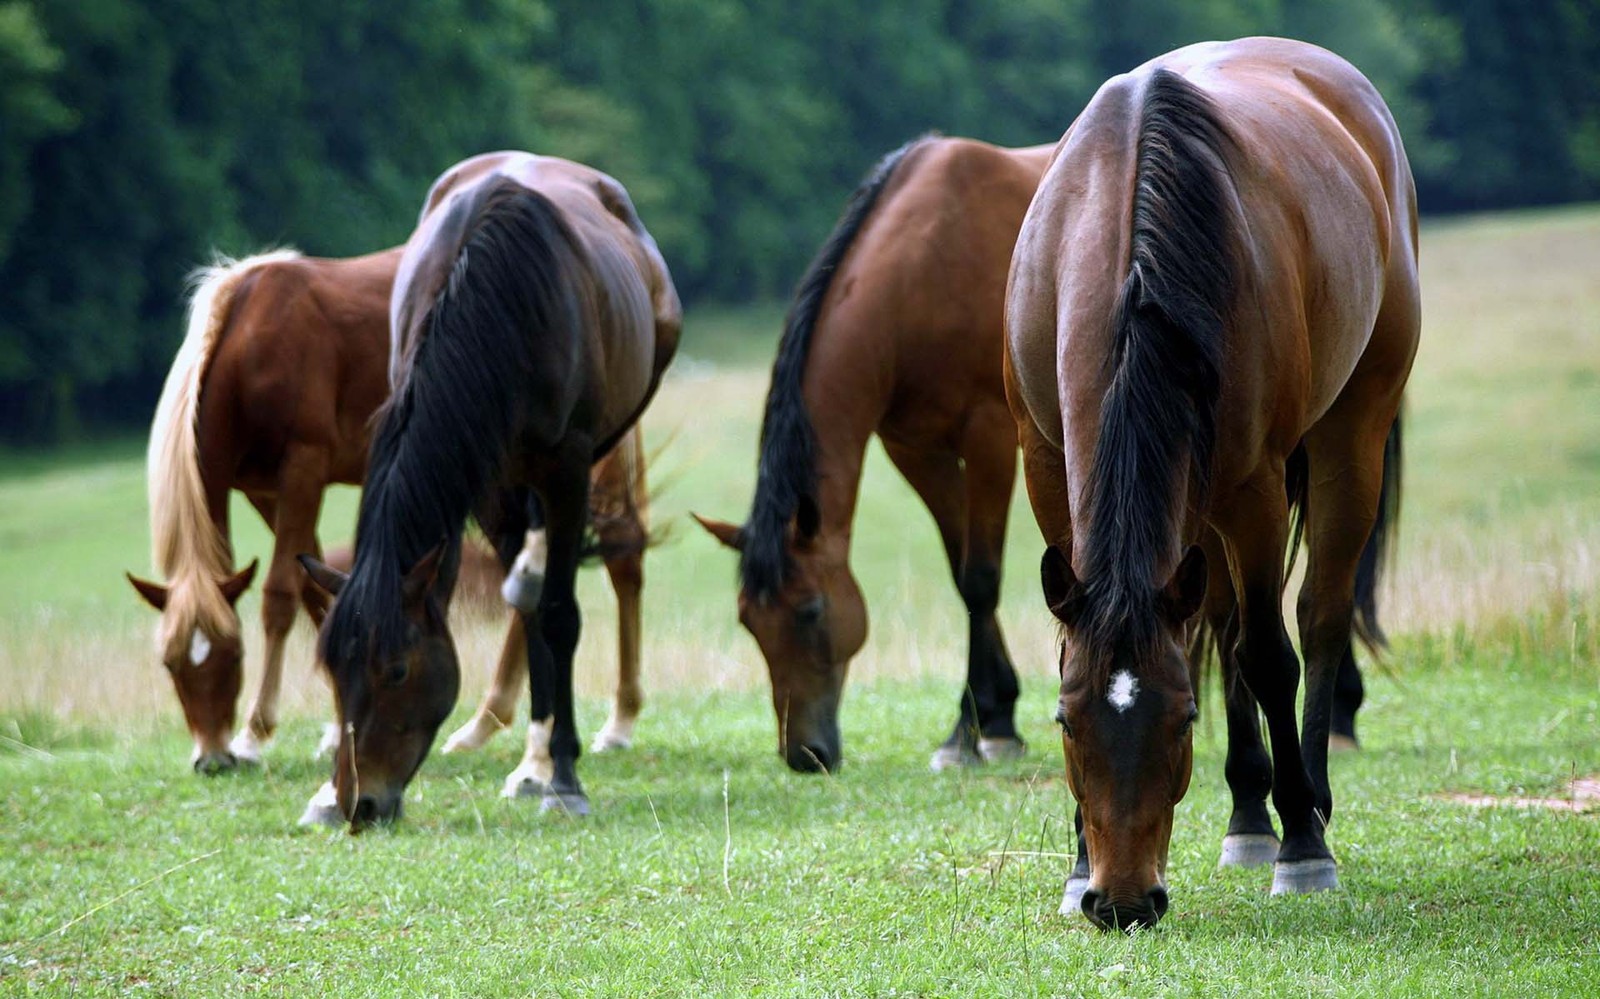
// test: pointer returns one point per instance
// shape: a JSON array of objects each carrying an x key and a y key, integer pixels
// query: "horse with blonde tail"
[{"x": 283, "y": 361}]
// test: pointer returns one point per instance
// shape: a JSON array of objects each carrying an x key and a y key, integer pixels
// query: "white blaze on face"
[
  {"x": 199, "y": 647},
  {"x": 1123, "y": 690}
]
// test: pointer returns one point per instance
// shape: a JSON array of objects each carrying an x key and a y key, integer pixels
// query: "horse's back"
[
  {"x": 613, "y": 279},
  {"x": 922, "y": 287},
  {"x": 1323, "y": 210},
  {"x": 301, "y": 363},
  {"x": 1329, "y": 211}
]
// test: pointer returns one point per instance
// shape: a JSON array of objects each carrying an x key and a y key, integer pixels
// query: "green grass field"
[{"x": 707, "y": 868}]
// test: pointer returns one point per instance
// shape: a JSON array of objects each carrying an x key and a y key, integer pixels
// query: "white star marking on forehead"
[
  {"x": 199, "y": 647},
  {"x": 1124, "y": 688}
]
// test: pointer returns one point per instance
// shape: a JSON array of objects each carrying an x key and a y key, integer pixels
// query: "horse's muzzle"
[
  {"x": 374, "y": 810},
  {"x": 1122, "y": 914},
  {"x": 814, "y": 756},
  {"x": 215, "y": 762}
]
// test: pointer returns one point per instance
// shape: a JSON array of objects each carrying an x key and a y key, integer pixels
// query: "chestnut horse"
[
  {"x": 895, "y": 330},
  {"x": 531, "y": 321},
  {"x": 285, "y": 360},
  {"x": 1216, "y": 282},
  {"x": 283, "y": 363}
]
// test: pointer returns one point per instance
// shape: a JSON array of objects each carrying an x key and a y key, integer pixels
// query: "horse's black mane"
[
  {"x": 1159, "y": 412},
  {"x": 441, "y": 440},
  {"x": 786, "y": 475}
]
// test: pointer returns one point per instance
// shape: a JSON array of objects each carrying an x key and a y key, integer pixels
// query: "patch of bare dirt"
[{"x": 1583, "y": 795}]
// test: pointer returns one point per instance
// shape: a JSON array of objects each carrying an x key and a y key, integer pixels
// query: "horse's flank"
[{"x": 185, "y": 544}]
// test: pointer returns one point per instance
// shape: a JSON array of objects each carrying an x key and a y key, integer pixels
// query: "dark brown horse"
[
  {"x": 895, "y": 330},
  {"x": 619, "y": 518},
  {"x": 284, "y": 361},
  {"x": 1216, "y": 283},
  {"x": 531, "y": 321}
]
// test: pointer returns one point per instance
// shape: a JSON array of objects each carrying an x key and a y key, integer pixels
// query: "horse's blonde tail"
[
  {"x": 633, "y": 473},
  {"x": 184, "y": 542}
]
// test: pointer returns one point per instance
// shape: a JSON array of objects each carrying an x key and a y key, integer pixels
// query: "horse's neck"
[{"x": 844, "y": 420}]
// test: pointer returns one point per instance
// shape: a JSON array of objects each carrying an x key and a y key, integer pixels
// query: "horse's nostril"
[
  {"x": 365, "y": 812},
  {"x": 1158, "y": 901},
  {"x": 1090, "y": 904}
]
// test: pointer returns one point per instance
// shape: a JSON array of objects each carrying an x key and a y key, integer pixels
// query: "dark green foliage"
[{"x": 135, "y": 137}]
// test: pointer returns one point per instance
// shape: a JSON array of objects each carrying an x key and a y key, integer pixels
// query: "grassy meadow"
[{"x": 707, "y": 868}]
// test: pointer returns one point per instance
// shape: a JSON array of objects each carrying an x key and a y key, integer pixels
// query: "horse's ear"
[
  {"x": 234, "y": 586},
  {"x": 1062, "y": 590},
  {"x": 331, "y": 580},
  {"x": 807, "y": 518},
  {"x": 730, "y": 535},
  {"x": 154, "y": 594},
  {"x": 1183, "y": 595},
  {"x": 418, "y": 582}
]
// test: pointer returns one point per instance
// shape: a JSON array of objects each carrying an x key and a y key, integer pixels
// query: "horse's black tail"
[
  {"x": 786, "y": 472},
  {"x": 1375, "y": 557}
]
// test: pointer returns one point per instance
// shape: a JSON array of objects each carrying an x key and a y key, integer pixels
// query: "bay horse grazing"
[
  {"x": 1216, "y": 280},
  {"x": 895, "y": 330},
  {"x": 283, "y": 361},
  {"x": 531, "y": 321}
]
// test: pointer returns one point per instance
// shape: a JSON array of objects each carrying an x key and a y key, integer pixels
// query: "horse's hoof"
[
  {"x": 1301, "y": 877},
  {"x": 329, "y": 743},
  {"x": 1248, "y": 849},
  {"x": 246, "y": 748},
  {"x": 473, "y": 734},
  {"x": 948, "y": 757},
  {"x": 523, "y": 785},
  {"x": 323, "y": 809},
  {"x": 1339, "y": 743},
  {"x": 566, "y": 802},
  {"x": 1008, "y": 748},
  {"x": 1072, "y": 895},
  {"x": 612, "y": 738}
]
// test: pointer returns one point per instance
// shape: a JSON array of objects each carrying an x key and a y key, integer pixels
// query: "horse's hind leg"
[
  {"x": 1346, "y": 460},
  {"x": 989, "y": 456},
  {"x": 505, "y": 522},
  {"x": 499, "y": 707},
  {"x": 619, "y": 504},
  {"x": 1348, "y": 693},
  {"x": 936, "y": 476},
  {"x": 626, "y": 572}
]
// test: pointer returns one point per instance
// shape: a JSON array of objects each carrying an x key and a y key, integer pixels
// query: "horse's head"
[
  {"x": 807, "y": 628},
  {"x": 199, "y": 643},
  {"x": 393, "y": 690},
  {"x": 1126, "y": 711}
]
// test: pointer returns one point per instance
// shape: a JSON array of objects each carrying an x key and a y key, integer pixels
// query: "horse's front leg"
[
  {"x": 553, "y": 630},
  {"x": 293, "y": 519}
]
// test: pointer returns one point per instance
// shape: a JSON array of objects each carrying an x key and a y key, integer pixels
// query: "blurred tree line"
[{"x": 135, "y": 137}]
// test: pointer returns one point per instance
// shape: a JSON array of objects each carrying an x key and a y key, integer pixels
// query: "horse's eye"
[
  {"x": 395, "y": 674},
  {"x": 809, "y": 614},
  {"x": 1061, "y": 719},
  {"x": 1188, "y": 723}
]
